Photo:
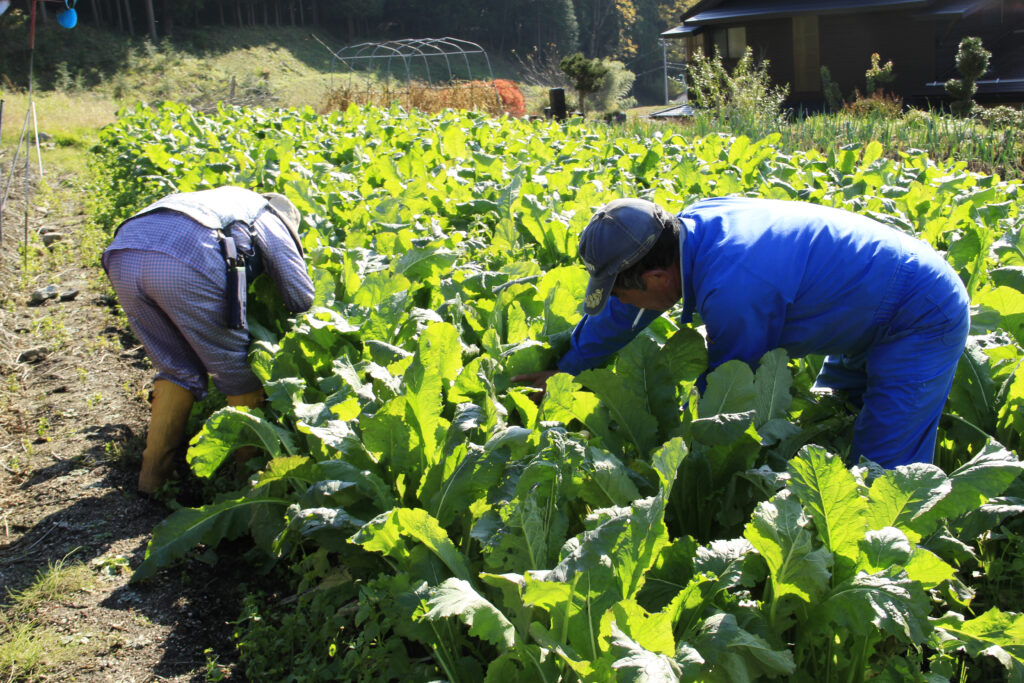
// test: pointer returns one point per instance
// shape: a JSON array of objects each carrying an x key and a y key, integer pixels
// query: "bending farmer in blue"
[{"x": 889, "y": 314}]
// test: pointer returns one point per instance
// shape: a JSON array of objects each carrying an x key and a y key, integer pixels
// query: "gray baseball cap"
[{"x": 617, "y": 237}]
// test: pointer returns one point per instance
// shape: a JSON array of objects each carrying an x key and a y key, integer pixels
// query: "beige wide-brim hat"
[{"x": 287, "y": 212}]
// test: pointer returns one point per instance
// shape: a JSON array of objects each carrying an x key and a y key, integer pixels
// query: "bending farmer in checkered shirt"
[
  {"x": 180, "y": 268},
  {"x": 890, "y": 315}
]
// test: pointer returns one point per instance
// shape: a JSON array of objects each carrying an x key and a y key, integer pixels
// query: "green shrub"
[
  {"x": 833, "y": 96},
  {"x": 878, "y": 74},
  {"x": 878, "y": 104},
  {"x": 614, "y": 92},
  {"x": 917, "y": 117},
  {"x": 972, "y": 63},
  {"x": 1001, "y": 116},
  {"x": 745, "y": 95},
  {"x": 334, "y": 630},
  {"x": 587, "y": 75}
]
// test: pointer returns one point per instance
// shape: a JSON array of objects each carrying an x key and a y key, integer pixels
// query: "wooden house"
[{"x": 920, "y": 37}]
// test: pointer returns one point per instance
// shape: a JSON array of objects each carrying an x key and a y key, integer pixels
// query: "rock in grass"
[
  {"x": 43, "y": 294},
  {"x": 51, "y": 238},
  {"x": 33, "y": 355}
]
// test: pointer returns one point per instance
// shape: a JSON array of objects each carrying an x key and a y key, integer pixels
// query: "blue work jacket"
[{"x": 765, "y": 274}]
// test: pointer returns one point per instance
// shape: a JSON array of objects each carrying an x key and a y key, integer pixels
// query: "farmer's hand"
[{"x": 537, "y": 380}]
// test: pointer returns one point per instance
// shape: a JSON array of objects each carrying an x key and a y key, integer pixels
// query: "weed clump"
[{"x": 877, "y": 104}]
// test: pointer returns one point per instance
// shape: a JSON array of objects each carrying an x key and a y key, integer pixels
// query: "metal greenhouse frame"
[{"x": 439, "y": 60}]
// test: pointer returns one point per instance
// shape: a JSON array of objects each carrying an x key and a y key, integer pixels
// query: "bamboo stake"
[{"x": 35, "y": 128}]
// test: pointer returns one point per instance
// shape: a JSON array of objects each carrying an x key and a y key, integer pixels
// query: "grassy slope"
[
  {"x": 84, "y": 76},
  {"x": 286, "y": 67}
]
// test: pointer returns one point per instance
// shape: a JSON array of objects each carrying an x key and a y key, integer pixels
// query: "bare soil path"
[{"x": 74, "y": 384}]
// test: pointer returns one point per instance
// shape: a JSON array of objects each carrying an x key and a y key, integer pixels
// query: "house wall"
[
  {"x": 922, "y": 50},
  {"x": 847, "y": 43},
  {"x": 772, "y": 40},
  {"x": 768, "y": 40}
]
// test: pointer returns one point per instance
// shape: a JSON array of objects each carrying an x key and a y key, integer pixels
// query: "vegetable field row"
[{"x": 626, "y": 528}]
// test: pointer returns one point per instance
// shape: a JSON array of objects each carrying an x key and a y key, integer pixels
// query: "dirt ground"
[{"x": 74, "y": 384}]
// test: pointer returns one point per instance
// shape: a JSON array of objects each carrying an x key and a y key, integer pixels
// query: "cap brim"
[{"x": 598, "y": 291}]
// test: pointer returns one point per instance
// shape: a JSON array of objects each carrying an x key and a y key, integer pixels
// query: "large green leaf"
[
  {"x": 641, "y": 364},
  {"x": 884, "y": 548},
  {"x": 388, "y": 532},
  {"x": 734, "y": 655},
  {"x": 888, "y": 601},
  {"x": 726, "y": 560},
  {"x": 423, "y": 406},
  {"x": 666, "y": 461},
  {"x": 638, "y": 546},
  {"x": 651, "y": 631},
  {"x": 985, "y": 476},
  {"x": 387, "y": 436},
  {"x": 209, "y": 525},
  {"x": 611, "y": 477},
  {"x": 673, "y": 568},
  {"x": 685, "y": 354},
  {"x": 474, "y": 474},
  {"x": 638, "y": 665},
  {"x": 995, "y": 633},
  {"x": 902, "y": 498},
  {"x": 772, "y": 382},
  {"x": 628, "y": 408},
  {"x": 456, "y": 598},
  {"x": 560, "y": 399},
  {"x": 779, "y": 531},
  {"x": 229, "y": 429},
  {"x": 973, "y": 395},
  {"x": 1010, "y": 304},
  {"x": 730, "y": 390},
  {"x": 829, "y": 494}
]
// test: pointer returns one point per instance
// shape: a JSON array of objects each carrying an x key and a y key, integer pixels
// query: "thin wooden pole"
[
  {"x": 35, "y": 129},
  {"x": 28, "y": 109},
  {"x": 28, "y": 170}
]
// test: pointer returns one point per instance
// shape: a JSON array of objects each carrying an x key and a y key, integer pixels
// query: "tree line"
[
  {"x": 625, "y": 30},
  {"x": 599, "y": 28}
]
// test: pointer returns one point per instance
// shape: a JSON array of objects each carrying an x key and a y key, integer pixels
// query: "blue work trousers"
[{"x": 901, "y": 382}]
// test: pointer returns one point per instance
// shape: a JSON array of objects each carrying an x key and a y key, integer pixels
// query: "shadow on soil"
[{"x": 195, "y": 602}]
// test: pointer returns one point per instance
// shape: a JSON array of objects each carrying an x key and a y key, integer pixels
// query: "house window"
[
  {"x": 731, "y": 42},
  {"x": 737, "y": 41},
  {"x": 806, "y": 56}
]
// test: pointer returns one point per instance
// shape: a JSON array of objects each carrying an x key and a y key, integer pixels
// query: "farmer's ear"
[{"x": 654, "y": 275}]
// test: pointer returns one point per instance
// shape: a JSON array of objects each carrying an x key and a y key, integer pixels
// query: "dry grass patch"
[
  {"x": 468, "y": 95},
  {"x": 58, "y": 583},
  {"x": 30, "y": 648}
]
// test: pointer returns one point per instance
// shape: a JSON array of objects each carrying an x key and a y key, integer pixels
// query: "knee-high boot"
[{"x": 171, "y": 406}]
